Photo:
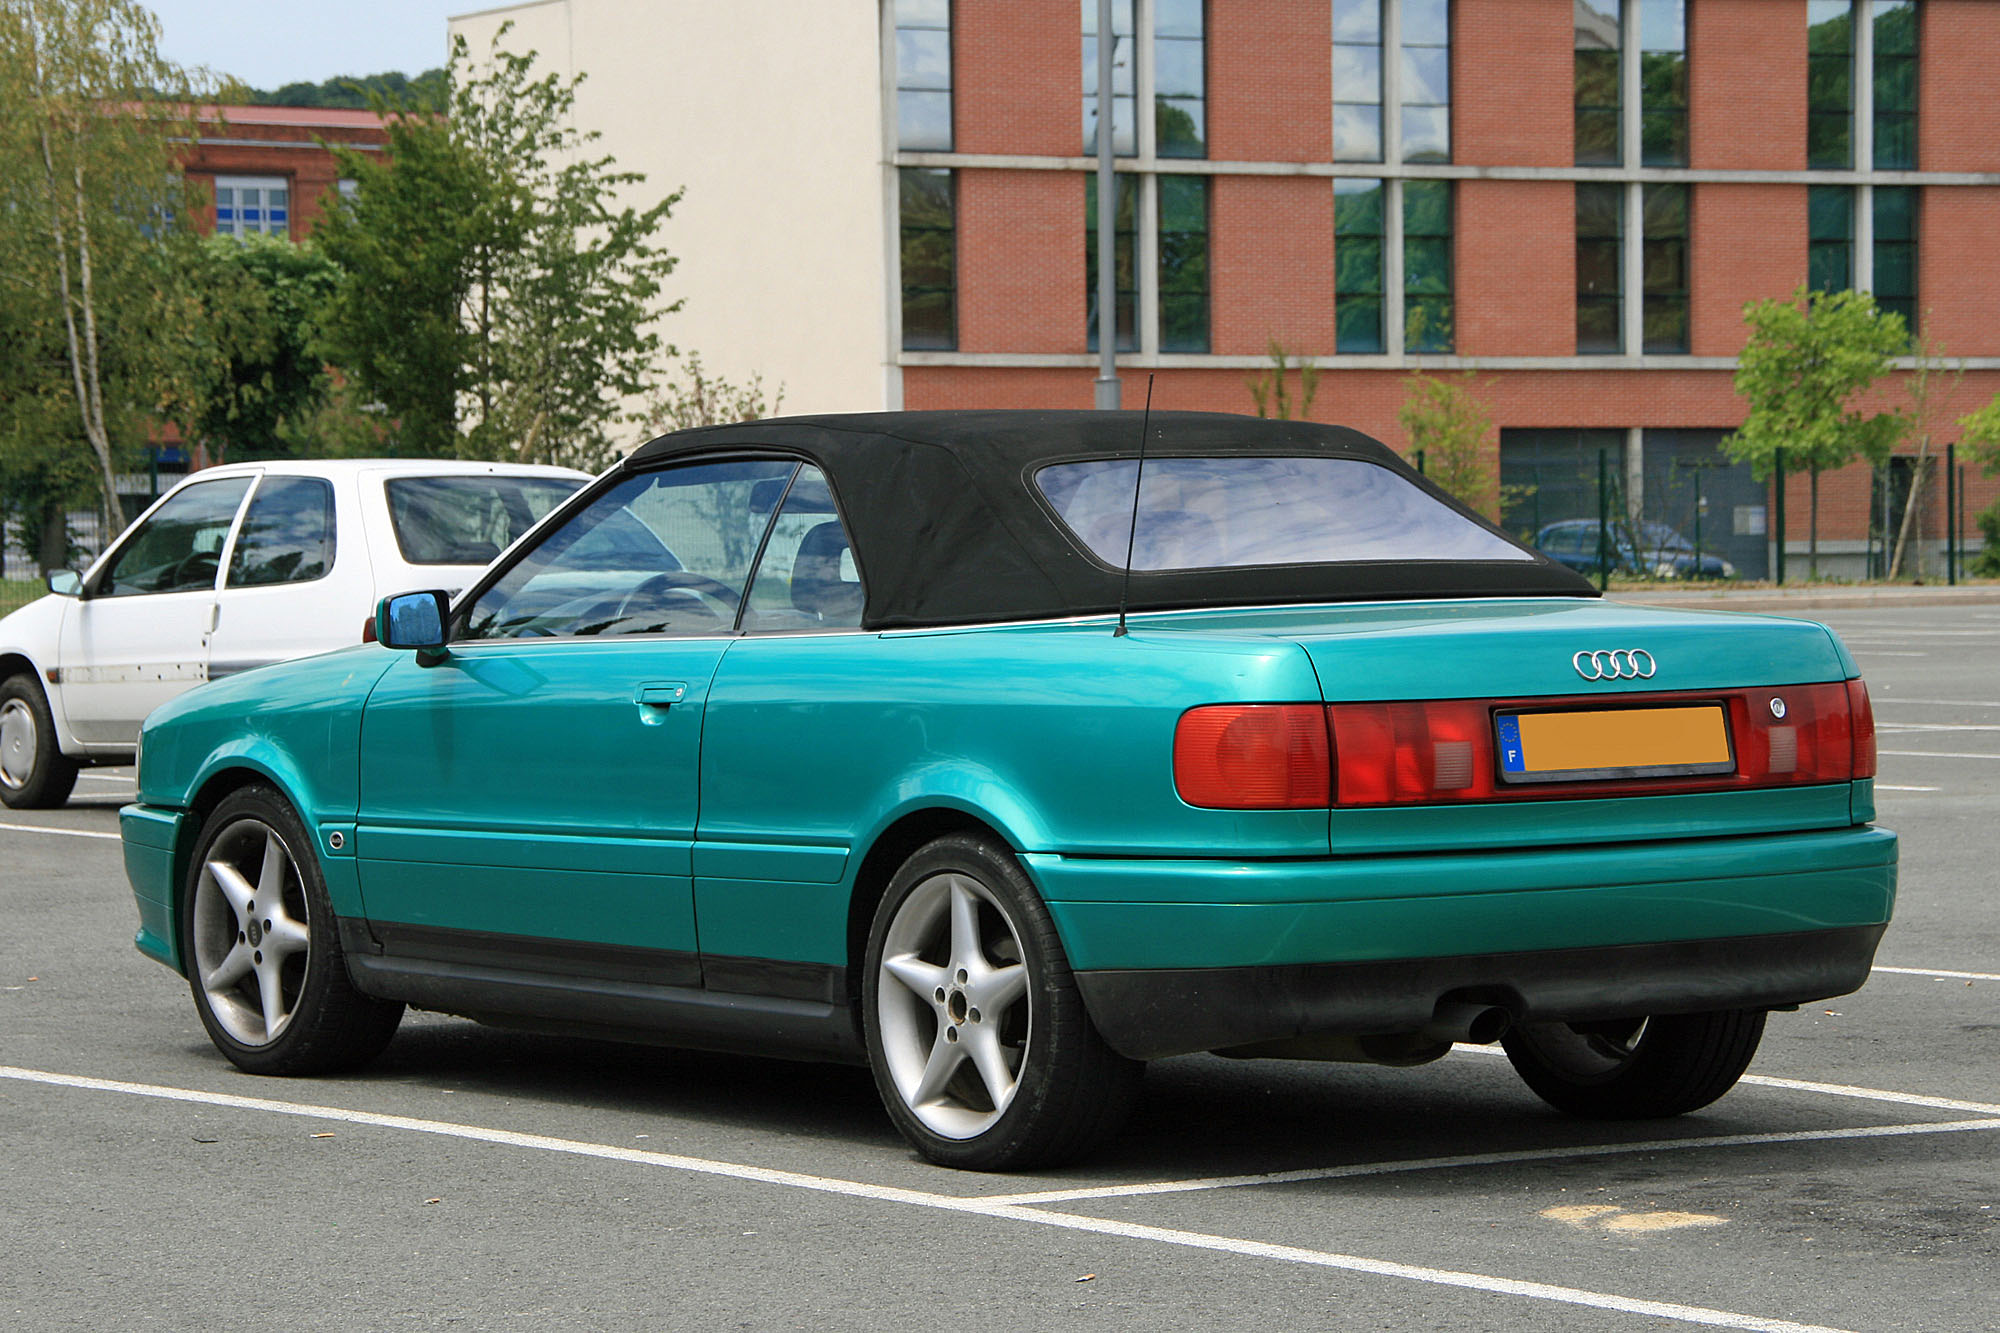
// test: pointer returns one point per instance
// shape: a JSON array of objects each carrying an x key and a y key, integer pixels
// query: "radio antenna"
[{"x": 1132, "y": 533}]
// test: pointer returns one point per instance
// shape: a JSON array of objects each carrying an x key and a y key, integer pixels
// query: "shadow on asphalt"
[{"x": 1200, "y": 1115}]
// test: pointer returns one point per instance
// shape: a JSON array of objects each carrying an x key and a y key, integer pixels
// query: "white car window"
[
  {"x": 288, "y": 535},
  {"x": 179, "y": 546}
]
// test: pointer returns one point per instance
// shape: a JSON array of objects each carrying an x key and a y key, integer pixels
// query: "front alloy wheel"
[
  {"x": 982, "y": 1050},
  {"x": 262, "y": 947}
]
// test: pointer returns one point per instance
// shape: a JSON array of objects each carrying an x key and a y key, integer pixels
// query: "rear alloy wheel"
[
  {"x": 262, "y": 949},
  {"x": 1636, "y": 1068},
  {"x": 978, "y": 1037},
  {"x": 34, "y": 772}
]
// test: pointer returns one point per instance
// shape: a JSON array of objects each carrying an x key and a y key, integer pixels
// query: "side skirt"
[{"x": 743, "y": 1006}]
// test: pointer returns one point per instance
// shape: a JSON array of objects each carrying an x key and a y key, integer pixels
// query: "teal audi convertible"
[{"x": 1006, "y": 751}]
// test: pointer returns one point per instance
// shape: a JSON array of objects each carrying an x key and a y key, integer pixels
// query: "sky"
[{"x": 289, "y": 41}]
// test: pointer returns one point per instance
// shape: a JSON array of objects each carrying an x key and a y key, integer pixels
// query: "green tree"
[
  {"x": 1271, "y": 393},
  {"x": 493, "y": 298},
  {"x": 1933, "y": 382},
  {"x": 353, "y": 92},
  {"x": 1448, "y": 424},
  {"x": 260, "y": 298},
  {"x": 1808, "y": 359},
  {"x": 93, "y": 235},
  {"x": 1981, "y": 438}
]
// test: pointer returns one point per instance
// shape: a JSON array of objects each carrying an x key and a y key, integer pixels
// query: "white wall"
[{"x": 769, "y": 113}]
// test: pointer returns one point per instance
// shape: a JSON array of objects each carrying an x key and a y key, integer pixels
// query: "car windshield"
[
  {"x": 1197, "y": 513},
  {"x": 468, "y": 520}
]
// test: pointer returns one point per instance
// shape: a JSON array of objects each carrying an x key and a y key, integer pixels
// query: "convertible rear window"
[
  {"x": 1212, "y": 513},
  {"x": 468, "y": 520}
]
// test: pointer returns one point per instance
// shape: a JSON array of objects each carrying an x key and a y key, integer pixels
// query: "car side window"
[
  {"x": 179, "y": 546},
  {"x": 661, "y": 552},
  {"x": 807, "y": 578},
  {"x": 287, "y": 536}
]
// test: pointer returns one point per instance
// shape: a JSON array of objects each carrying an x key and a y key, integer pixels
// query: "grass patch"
[{"x": 19, "y": 592}]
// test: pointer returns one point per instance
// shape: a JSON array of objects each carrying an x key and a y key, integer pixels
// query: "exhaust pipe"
[{"x": 1475, "y": 1024}]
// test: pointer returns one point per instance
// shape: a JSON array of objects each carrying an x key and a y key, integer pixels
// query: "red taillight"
[
  {"x": 1253, "y": 757},
  {"x": 1394, "y": 753},
  {"x": 368, "y": 630},
  {"x": 1863, "y": 714}
]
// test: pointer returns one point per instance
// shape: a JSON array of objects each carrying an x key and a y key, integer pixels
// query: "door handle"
[
  {"x": 214, "y": 616},
  {"x": 659, "y": 695}
]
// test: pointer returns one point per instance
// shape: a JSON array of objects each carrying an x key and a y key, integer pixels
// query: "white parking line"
[
  {"x": 1937, "y": 726},
  {"x": 1490, "y": 1159},
  {"x": 1938, "y": 703},
  {"x": 1938, "y": 972},
  {"x": 63, "y": 832},
  {"x": 1938, "y": 754},
  {"x": 1541, "y": 1291},
  {"x": 1883, "y": 786},
  {"x": 103, "y": 777}
]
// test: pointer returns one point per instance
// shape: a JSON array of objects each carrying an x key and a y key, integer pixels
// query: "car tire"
[
  {"x": 977, "y": 1035},
  {"x": 34, "y": 772},
  {"x": 1638, "y": 1068},
  {"x": 262, "y": 947}
]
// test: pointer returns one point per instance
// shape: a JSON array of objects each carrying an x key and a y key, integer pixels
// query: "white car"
[{"x": 236, "y": 567}]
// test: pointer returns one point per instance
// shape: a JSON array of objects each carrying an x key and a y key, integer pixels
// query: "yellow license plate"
[{"x": 1574, "y": 746}]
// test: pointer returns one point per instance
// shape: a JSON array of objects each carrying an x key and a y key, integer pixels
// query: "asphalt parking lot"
[{"x": 480, "y": 1179}]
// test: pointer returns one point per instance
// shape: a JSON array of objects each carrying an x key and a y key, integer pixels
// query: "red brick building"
[
  {"x": 269, "y": 168},
  {"x": 1572, "y": 199}
]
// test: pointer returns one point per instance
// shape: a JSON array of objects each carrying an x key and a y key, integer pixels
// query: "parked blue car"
[
  {"x": 1645, "y": 550},
  {"x": 1004, "y": 752}
]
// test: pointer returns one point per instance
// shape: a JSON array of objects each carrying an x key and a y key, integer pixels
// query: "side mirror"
[
  {"x": 413, "y": 620},
  {"x": 66, "y": 583}
]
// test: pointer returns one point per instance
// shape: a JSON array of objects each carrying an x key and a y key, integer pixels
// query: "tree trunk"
[
  {"x": 1910, "y": 512},
  {"x": 1812, "y": 531},
  {"x": 52, "y": 544}
]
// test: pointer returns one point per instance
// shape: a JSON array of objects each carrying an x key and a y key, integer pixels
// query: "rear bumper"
[
  {"x": 1173, "y": 1011},
  {"x": 1179, "y": 956}
]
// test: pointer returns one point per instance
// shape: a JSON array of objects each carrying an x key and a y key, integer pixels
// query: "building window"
[
  {"x": 1665, "y": 298},
  {"x": 1829, "y": 83},
  {"x": 1599, "y": 269},
  {"x": 1425, "y": 76},
  {"x": 1124, "y": 140},
  {"x": 1599, "y": 79},
  {"x": 1180, "y": 80},
  {"x": 1895, "y": 278},
  {"x": 1663, "y": 89},
  {"x": 1125, "y": 277},
  {"x": 252, "y": 205},
  {"x": 1895, "y": 85},
  {"x": 1183, "y": 263},
  {"x": 929, "y": 259},
  {"x": 923, "y": 75},
  {"x": 1830, "y": 231},
  {"x": 1358, "y": 212},
  {"x": 1417, "y": 84},
  {"x": 1427, "y": 308},
  {"x": 1357, "y": 80}
]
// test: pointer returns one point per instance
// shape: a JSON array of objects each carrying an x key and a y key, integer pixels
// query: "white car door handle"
[{"x": 214, "y": 616}]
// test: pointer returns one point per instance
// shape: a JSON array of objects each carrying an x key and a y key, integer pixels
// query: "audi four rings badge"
[{"x": 1614, "y": 664}]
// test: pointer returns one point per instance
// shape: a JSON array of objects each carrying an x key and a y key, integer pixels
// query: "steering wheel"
[
  {"x": 681, "y": 580},
  {"x": 194, "y": 571}
]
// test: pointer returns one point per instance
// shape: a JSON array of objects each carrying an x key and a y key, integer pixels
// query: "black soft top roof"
[{"x": 948, "y": 528}]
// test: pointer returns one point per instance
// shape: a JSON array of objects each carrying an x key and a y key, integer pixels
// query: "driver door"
[
  {"x": 139, "y": 635},
  {"x": 528, "y": 801}
]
